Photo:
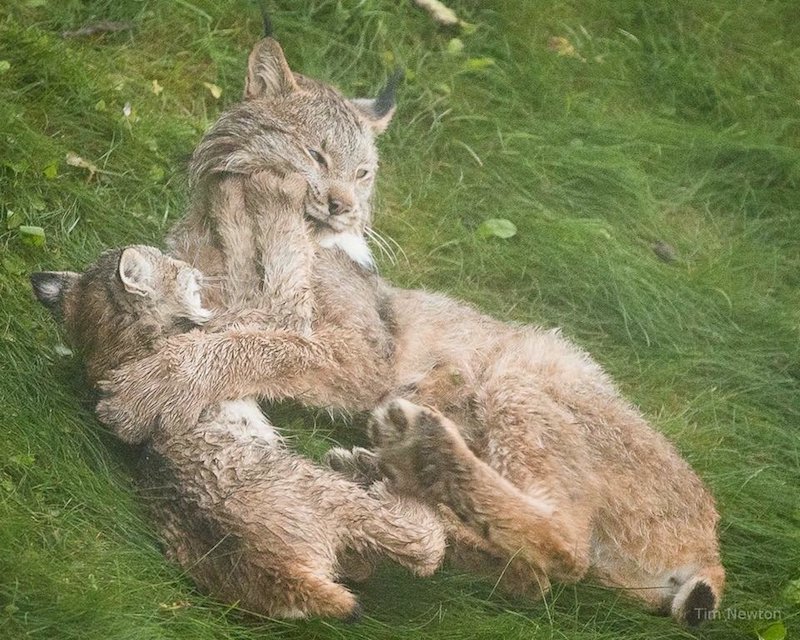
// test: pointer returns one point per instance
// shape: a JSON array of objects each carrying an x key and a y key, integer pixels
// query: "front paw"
[
  {"x": 139, "y": 396},
  {"x": 116, "y": 410},
  {"x": 291, "y": 187}
]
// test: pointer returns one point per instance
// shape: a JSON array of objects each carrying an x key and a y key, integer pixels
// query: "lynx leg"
[
  {"x": 423, "y": 454},
  {"x": 406, "y": 530},
  {"x": 400, "y": 527},
  {"x": 306, "y": 593},
  {"x": 512, "y": 576},
  {"x": 279, "y": 590}
]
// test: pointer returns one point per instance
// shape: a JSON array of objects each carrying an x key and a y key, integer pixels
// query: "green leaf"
[
  {"x": 31, "y": 236},
  {"x": 776, "y": 631},
  {"x": 51, "y": 170},
  {"x": 5, "y": 65},
  {"x": 62, "y": 350},
  {"x": 478, "y": 64},
  {"x": 214, "y": 90},
  {"x": 497, "y": 227},
  {"x": 455, "y": 46},
  {"x": 13, "y": 219},
  {"x": 100, "y": 105}
]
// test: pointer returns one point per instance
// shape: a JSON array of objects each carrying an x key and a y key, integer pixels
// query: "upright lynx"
[{"x": 541, "y": 469}]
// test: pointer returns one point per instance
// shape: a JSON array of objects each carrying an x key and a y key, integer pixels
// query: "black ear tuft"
[
  {"x": 50, "y": 287},
  {"x": 387, "y": 98},
  {"x": 265, "y": 19},
  {"x": 378, "y": 111}
]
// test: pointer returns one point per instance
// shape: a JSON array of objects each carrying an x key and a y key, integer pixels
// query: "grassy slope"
[{"x": 681, "y": 127}]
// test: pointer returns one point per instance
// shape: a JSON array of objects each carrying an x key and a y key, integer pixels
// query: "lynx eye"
[
  {"x": 318, "y": 158},
  {"x": 361, "y": 174}
]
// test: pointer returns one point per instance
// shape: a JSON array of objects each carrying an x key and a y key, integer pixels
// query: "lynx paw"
[
  {"x": 399, "y": 422},
  {"x": 357, "y": 464},
  {"x": 417, "y": 446}
]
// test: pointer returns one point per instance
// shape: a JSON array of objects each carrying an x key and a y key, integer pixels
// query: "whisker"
[
  {"x": 386, "y": 236},
  {"x": 377, "y": 243},
  {"x": 386, "y": 247},
  {"x": 382, "y": 244}
]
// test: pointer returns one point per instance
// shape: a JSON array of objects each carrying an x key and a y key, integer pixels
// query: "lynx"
[
  {"x": 249, "y": 520},
  {"x": 539, "y": 467}
]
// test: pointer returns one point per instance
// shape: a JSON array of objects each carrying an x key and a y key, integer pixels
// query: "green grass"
[{"x": 682, "y": 126}]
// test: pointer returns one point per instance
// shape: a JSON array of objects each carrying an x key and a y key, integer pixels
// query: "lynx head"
[
  {"x": 133, "y": 294},
  {"x": 289, "y": 123}
]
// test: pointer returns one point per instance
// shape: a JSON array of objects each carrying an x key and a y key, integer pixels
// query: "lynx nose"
[{"x": 337, "y": 207}]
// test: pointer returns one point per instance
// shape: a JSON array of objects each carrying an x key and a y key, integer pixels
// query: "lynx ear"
[
  {"x": 50, "y": 287},
  {"x": 378, "y": 111},
  {"x": 136, "y": 272},
  {"x": 268, "y": 73}
]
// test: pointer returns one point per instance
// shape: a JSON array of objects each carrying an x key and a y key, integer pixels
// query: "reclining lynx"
[
  {"x": 248, "y": 519},
  {"x": 542, "y": 469}
]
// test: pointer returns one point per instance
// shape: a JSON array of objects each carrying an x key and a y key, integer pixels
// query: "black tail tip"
[{"x": 700, "y": 605}]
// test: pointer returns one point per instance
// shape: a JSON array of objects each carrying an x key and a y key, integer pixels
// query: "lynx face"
[
  {"x": 289, "y": 123},
  {"x": 133, "y": 284}
]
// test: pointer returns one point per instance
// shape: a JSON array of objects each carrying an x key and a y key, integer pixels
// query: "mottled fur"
[
  {"x": 250, "y": 521},
  {"x": 540, "y": 467}
]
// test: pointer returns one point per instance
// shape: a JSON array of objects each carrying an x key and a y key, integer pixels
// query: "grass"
[{"x": 678, "y": 126}]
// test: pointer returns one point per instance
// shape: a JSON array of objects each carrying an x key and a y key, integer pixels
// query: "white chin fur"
[{"x": 353, "y": 245}]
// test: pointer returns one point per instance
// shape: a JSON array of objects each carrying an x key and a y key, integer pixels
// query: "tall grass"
[{"x": 653, "y": 178}]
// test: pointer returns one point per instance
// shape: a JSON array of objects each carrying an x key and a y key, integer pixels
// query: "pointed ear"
[
  {"x": 378, "y": 111},
  {"x": 136, "y": 272},
  {"x": 50, "y": 287},
  {"x": 268, "y": 74}
]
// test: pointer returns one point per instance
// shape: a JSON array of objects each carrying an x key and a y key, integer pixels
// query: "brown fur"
[{"x": 539, "y": 458}]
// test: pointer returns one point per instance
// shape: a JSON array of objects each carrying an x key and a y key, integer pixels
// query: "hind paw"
[
  {"x": 391, "y": 422},
  {"x": 357, "y": 464},
  {"x": 416, "y": 445},
  {"x": 400, "y": 424}
]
